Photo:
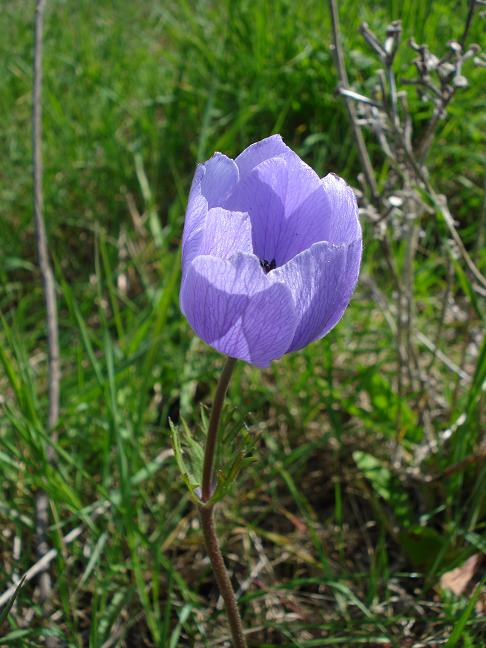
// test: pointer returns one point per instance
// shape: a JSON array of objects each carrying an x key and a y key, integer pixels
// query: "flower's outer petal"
[
  {"x": 322, "y": 280},
  {"x": 259, "y": 152},
  {"x": 233, "y": 306},
  {"x": 212, "y": 183},
  {"x": 195, "y": 212},
  {"x": 261, "y": 193},
  {"x": 197, "y": 209},
  {"x": 226, "y": 233},
  {"x": 220, "y": 178},
  {"x": 344, "y": 225}
]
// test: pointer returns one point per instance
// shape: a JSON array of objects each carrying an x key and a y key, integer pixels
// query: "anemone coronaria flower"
[{"x": 270, "y": 252}]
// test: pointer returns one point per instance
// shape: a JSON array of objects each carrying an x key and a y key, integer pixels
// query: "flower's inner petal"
[
  {"x": 321, "y": 280},
  {"x": 302, "y": 182},
  {"x": 262, "y": 194},
  {"x": 328, "y": 213},
  {"x": 306, "y": 210},
  {"x": 259, "y": 152},
  {"x": 233, "y": 306},
  {"x": 344, "y": 226},
  {"x": 226, "y": 233},
  {"x": 220, "y": 178},
  {"x": 306, "y": 225},
  {"x": 287, "y": 204}
]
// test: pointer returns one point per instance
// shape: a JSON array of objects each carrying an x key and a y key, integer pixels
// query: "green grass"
[{"x": 345, "y": 542}]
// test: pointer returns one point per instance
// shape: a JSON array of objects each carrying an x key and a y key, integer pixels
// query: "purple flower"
[{"x": 270, "y": 252}]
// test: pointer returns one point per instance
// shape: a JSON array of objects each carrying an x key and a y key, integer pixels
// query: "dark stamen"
[{"x": 268, "y": 265}]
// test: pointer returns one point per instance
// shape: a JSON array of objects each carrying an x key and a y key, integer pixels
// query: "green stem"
[
  {"x": 209, "y": 452},
  {"x": 206, "y": 512}
]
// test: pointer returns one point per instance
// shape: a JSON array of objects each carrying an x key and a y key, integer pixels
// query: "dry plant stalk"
[
  {"x": 398, "y": 210},
  {"x": 42, "y": 501}
]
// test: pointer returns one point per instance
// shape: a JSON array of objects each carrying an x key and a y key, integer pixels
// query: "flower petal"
[
  {"x": 220, "y": 178},
  {"x": 194, "y": 213},
  {"x": 307, "y": 225},
  {"x": 212, "y": 182},
  {"x": 197, "y": 209},
  {"x": 226, "y": 233},
  {"x": 302, "y": 182},
  {"x": 344, "y": 226},
  {"x": 261, "y": 194},
  {"x": 259, "y": 152},
  {"x": 233, "y": 306},
  {"x": 321, "y": 280},
  {"x": 287, "y": 205},
  {"x": 330, "y": 213}
]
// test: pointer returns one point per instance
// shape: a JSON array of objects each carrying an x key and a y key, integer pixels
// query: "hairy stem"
[
  {"x": 206, "y": 511},
  {"x": 221, "y": 576},
  {"x": 207, "y": 478}
]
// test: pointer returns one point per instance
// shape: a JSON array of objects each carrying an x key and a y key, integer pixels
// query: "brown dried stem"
[
  {"x": 42, "y": 501},
  {"x": 344, "y": 84}
]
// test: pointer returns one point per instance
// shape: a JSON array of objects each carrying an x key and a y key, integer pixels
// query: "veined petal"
[
  {"x": 321, "y": 280},
  {"x": 195, "y": 215},
  {"x": 308, "y": 224},
  {"x": 237, "y": 309},
  {"x": 343, "y": 223},
  {"x": 261, "y": 193},
  {"x": 287, "y": 205},
  {"x": 302, "y": 182},
  {"x": 329, "y": 213},
  {"x": 220, "y": 178},
  {"x": 197, "y": 208},
  {"x": 226, "y": 233},
  {"x": 259, "y": 152},
  {"x": 212, "y": 182}
]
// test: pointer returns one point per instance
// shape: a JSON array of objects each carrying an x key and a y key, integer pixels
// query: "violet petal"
[
  {"x": 343, "y": 222},
  {"x": 220, "y": 178},
  {"x": 322, "y": 280},
  {"x": 226, "y": 233},
  {"x": 197, "y": 208},
  {"x": 233, "y": 306},
  {"x": 259, "y": 152},
  {"x": 261, "y": 194}
]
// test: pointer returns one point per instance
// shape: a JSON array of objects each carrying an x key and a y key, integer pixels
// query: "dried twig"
[
  {"x": 399, "y": 208},
  {"x": 41, "y": 566},
  {"x": 344, "y": 85},
  {"x": 42, "y": 501},
  {"x": 368, "y": 170},
  {"x": 467, "y": 26}
]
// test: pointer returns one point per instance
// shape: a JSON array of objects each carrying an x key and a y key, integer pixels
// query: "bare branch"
[
  {"x": 470, "y": 14},
  {"x": 42, "y": 502},
  {"x": 344, "y": 84},
  {"x": 351, "y": 94}
]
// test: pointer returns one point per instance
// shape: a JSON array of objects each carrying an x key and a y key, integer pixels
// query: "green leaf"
[
  {"x": 8, "y": 606},
  {"x": 463, "y": 619},
  {"x": 386, "y": 485}
]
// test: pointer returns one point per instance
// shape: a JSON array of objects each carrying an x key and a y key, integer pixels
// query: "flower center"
[{"x": 268, "y": 265}]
